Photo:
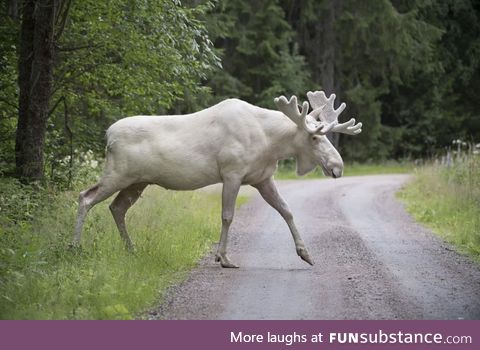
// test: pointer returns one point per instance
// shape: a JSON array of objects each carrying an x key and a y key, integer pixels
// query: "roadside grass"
[
  {"x": 42, "y": 278},
  {"x": 287, "y": 172},
  {"x": 388, "y": 167},
  {"x": 447, "y": 200}
]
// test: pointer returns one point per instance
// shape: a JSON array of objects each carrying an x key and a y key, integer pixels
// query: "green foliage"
[
  {"x": 260, "y": 59},
  {"x": 380, "y": 49},
  {"x": 388, "y": 167},
  {"x": 408, "y": 69},
  {"x": 448, "y": 201},
  {"x": 41, "y": 278},
  {"x": 122, "y": 58},
  {"x": 18, "y": 203},
  {"x": 436, "y": 105},
  {"x": 8, "y": 90},
  {"x": 73, "y": 170},
  {"x": 114, "y": 59},
  {"x": 133, "y": 57}
]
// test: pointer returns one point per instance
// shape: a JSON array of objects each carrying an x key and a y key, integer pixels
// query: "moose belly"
[
  {"x": 179, "y": 174},
  {"x": 184, "y": 182}
]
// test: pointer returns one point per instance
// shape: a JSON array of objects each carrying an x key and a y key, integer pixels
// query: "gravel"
[{"x": 372, "y": 261}]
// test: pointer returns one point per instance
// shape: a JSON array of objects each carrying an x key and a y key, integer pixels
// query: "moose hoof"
[
  {"x": 303, "y": 254},
  {"x": 225, "y": 262},
  {"x": 130, "y": 249}
]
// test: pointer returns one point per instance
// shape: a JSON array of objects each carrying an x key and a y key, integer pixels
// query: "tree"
[
  {"x": 315, "y": 23},
  {"x": 408, "y": 69},
  {"x": 456, "y": 112},
  {"x": 42, "y": 24},
  {"x": 114, "y": 59},
  {"x": 360, "y": 49},
  {"x": 122, "y": 58},
  {"x": 259, "y": 57},
  {"x": 8, "y": 87}
]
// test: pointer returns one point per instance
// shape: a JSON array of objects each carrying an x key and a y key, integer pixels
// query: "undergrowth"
[
  {"x": 42, "y": 278},
  {"x": 447, "y": 199}
]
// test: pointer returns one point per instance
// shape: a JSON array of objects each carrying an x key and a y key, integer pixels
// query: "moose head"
[{"x": 314, "y": 126}]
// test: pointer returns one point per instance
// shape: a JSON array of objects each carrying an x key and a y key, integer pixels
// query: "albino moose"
[{"x": 233, "y": 142}]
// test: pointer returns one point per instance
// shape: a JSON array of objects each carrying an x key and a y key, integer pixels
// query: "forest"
[{"x": 409, "y": 70}]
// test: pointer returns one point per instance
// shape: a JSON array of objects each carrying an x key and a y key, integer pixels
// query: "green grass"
[
  {"x": 350, "y": 169},
  {"x": 41, "y": 278},
  {"x": 448, "y": 201},
  {"x": 390, "y": 167}
]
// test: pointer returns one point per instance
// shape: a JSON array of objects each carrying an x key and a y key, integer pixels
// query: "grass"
[
  {"x": 390, "y": 167},
  {"x": 41, "y": 278},
  {"x": 447, "y": 200},
  {"x": 350, "y": 169}
]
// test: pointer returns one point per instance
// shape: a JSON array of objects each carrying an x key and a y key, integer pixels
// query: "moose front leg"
[
  {"x": 269, "y": 192},
  {"x": 229, "y": 196}
]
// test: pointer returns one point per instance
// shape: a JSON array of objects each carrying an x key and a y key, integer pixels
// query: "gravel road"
[{"x": 372, "y": 261}]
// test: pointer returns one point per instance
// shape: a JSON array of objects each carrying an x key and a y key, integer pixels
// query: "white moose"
[{"x": 232, "y": 142}]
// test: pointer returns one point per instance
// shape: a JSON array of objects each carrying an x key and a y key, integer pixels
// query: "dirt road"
[{"x": 372, "y": 262}]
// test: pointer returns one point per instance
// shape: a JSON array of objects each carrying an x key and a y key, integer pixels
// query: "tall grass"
[
  {"x": 41, "y": 278},
  {"x": 447, "y": 199}
]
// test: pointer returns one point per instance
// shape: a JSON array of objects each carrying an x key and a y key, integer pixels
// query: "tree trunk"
[
  {"x": 327, "y": 56},
  {"x": 12, "y": 9},
  {"x": 35, "y": 77},
  {"x": 328, "y": 47},
  {"x": 320, "y": 44}
]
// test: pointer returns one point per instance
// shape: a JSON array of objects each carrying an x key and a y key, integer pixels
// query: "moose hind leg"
[
  {"x": 269, "y": 192},
  {"x": 124, "y": 200},
  {"x": 86, "y": 200}
]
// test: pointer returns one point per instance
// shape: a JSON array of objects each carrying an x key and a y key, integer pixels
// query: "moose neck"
[{"x": 286, "y": 139}]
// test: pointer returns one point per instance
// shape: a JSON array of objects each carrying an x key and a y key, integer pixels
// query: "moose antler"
[
  {"x": 323, "y": 118},
  {"x": 328, "y": 115},
  {"x": 307, "y": 122}
]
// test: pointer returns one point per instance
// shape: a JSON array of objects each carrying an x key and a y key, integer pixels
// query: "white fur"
[{"x": 232, "y": 142}]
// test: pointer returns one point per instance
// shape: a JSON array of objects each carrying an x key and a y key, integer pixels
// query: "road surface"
[{"x": 372, "y": 261}]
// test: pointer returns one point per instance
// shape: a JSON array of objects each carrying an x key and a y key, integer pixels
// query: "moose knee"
[
  {"x": 88, "y": 198},
  {"x": 227, "y": 220}
]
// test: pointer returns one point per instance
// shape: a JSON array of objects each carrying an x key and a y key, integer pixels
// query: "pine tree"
[
  {"x": 260, "y": 59},
  {"x": 360, "y": 49}
]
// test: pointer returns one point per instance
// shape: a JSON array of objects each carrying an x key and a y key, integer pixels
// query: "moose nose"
[{"x": 336, "y": 173}]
